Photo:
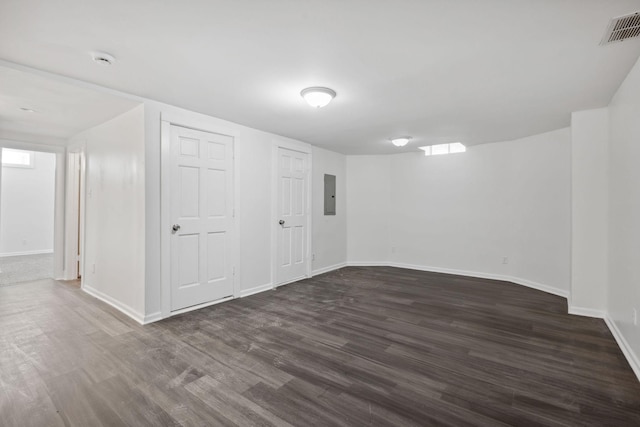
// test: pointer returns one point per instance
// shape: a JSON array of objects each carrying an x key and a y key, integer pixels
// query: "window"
[
  {"x": 452, "y": 148},
  {"x": 17, "y": 158}
]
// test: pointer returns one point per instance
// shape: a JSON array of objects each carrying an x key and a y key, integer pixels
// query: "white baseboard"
[
  {"x": 523, "y": 282},
  {"x": 367, "y": 264},
  {"x": 328, "y": 269},
  {"x": 134, "y": 314},
  {"x": 256, "y": 290},
  {"x": 153, "y": 317},
  {"x": 38, "y": 252},
  {"x": 628, "y": 352},
  {"x": 199, "y": 306},
  {"x": 587, "y": 312}
]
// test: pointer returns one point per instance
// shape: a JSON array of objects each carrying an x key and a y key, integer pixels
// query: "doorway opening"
[{"x": 27, "y": 211}]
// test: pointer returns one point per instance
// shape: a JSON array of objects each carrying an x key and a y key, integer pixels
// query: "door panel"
[
  {"x": 188, "y": 259},
  {"x": 216, "y": 185},
  {"x": 217, "y": 254},
  {"x": 189, "y": 191},
  {"x": 292, "y": 215},
  {"x": 202, "y": 210}
]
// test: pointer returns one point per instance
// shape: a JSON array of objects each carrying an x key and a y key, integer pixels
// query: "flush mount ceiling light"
[
  {"x": 102, "y": 58},
  {"x": 400, "y": 141},
  {"x": 27, "y": 110},
  {"x": 318, "y": 96}
]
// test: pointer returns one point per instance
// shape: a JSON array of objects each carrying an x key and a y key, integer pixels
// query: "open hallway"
[
  {"x": 23, "y": 268},
  {"x": 358, "y": 346}
]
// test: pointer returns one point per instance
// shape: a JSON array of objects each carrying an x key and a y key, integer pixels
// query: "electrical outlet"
[
  {"x": 313, "y": 257},
  {"x": 393, "y": 249},
  {"x": 505, "y": 260}
]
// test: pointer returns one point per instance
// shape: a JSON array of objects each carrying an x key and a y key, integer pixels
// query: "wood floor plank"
[{"x": 355, "y": 347}]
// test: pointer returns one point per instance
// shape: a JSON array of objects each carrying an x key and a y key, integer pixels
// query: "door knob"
[
  {"x": 175, "y": 227},
  {"x": 281, "y": 222}
]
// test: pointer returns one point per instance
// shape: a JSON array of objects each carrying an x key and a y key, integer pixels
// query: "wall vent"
[{"x": 622, "y": 28}]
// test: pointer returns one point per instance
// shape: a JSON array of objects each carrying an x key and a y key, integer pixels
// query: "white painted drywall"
[
  {"x": 624, "y": 212},
  {"x": 589, "y": 198},
  {"x": 368, "y": 208},
  {"x": 114, "y": 245},
  {"x": 329, "y": 231},
  {"x": 466, "y": 212},
  {"x": 27, "y": 207}
]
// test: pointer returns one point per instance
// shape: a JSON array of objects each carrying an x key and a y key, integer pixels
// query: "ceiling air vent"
[{"x": 622, "y": 28}]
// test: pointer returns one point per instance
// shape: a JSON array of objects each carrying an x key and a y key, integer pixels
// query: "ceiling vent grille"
[{"x": 622, "y": 28}]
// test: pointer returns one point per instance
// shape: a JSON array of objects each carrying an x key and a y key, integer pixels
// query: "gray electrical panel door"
[{"x": 329, "y": 194}]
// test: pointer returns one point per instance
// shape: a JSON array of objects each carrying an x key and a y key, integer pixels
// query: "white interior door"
[
  {"x": 202, "y": 217},
  {"x": 292, "y": 215}
]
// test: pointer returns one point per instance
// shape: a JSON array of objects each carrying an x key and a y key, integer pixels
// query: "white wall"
[
  {"x": 624, "y": 213},
  {"x": 589, "y": 198},
  {"x": 27, "y": 207},
  {"x": 114, "y": 249},
  {"x": 465, "y": 212},
  {"x": 329, "y": 231},
  {"x": 368, "y": 209}
]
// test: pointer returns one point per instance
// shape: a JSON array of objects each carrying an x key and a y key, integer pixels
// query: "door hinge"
[{"x": 233, "y": 270}]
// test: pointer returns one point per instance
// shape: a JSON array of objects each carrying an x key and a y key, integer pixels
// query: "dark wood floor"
[{"x": 356, "y": 347}]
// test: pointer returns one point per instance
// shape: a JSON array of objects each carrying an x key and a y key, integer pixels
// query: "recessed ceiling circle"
[{"x": 102, "y": 58}]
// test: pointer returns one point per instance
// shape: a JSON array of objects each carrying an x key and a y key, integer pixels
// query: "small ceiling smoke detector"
[
  {"x": 622, "y": 28},
  {"x": 318, "y": 96},
  {"x": 102, "y": 58},
  {"x": 27, "y": 110},
  {"x": 400, "y": 141}
]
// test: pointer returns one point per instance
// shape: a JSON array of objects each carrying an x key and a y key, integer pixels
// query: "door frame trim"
[
  {"x": 300, "y": 147},
  {"x": 75, "y": 219},
  {"x": 182, "y": 120}
]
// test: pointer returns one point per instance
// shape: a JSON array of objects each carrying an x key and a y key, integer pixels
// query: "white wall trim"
[
  {"x": 134, "y": 314},
  {"x": 165, "y": 219},
  {"x": 256, "y": 290},
  {"x": 38, "y": 252},
  {"x": 328, "y": 269},
  {"x": 523, "y": 282},
  {"x": 153, "y": 317},
  {"x": 199, "y": 306},
  {"x": 288, "y": 282},
  {"x": 367, "y": 264},
  {"x": 628, "y": 352},
  {"x": 587, "y": 312},
  {"x": 74, "y": 217}
]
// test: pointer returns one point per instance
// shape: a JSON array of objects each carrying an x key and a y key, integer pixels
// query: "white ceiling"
[
  {"x": 61, "y": 110},
  {"x": 439, "y": 70}
]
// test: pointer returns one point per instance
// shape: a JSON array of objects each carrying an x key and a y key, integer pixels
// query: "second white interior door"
[
  {"x": 293, "y": 214},
  {"x": 202, "y": 217}
]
